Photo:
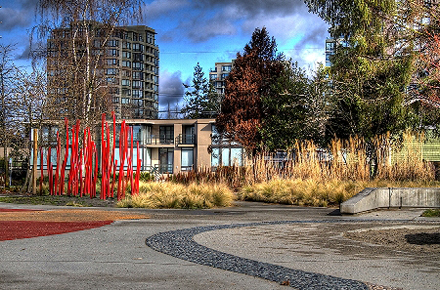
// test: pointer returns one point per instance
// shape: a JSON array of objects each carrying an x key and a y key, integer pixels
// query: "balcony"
[
  {"x": 159, "y": 140},
  {"x": 185, "y": 139}
]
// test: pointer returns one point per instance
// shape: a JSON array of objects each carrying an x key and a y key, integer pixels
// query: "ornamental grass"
[
  {"x": 310, "y": 192},
  {"x": 175, "y": 195}
]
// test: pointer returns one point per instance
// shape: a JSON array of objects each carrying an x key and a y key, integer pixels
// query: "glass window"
[
  {"x": 137, "y": 84},
  {"x": 126, "y": 63},
  {"x": 126, "y": 82},
  {"x": 237, "y": 156},
  {"x": 166, "y": 134},
  {"x": 126, "y": 54},
  {"x": 215, "y": 157},
  {"x": 137, "y": 94},
  {"x": 166, "y": 156},
  {"x": 138, "y": 75},
  {"x": 111, "y": 71},
  {"x": 187, "y": 159},
  {"x": 126, "y": 44},
  {"x": 112, "y": 61}
]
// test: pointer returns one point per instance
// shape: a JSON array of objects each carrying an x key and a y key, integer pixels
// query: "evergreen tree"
[
  {"x": 372, "y": 68},
  {"x": 201, "y": 98},
  {"x": 298, "y": 111}
]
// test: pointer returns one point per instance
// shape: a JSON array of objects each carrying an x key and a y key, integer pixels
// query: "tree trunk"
[{"x": 5, "y": 154}]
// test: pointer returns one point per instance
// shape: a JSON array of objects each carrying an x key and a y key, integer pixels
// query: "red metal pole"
[
  {"x": 41, "y": 170},
  {"x": 49, "y": 169},
  {"x": 58, "y": 162},
  {"x": 66, "y": 155}
]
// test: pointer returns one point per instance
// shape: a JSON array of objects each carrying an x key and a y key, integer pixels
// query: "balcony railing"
[
  {"x": 186, "y": 139},
  {"x": 157, "y": 140},
  {"x": 162, "y": 168}
]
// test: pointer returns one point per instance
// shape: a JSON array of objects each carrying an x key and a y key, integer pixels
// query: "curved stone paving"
[{"x": 180, "y": 244}]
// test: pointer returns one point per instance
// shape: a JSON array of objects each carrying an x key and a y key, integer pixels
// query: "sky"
[{"x": 197, "y": 31}]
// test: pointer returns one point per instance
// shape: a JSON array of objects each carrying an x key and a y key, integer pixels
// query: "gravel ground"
[
  {"x": 423, "y": 239},
  {"x": 181, "y": 244}
]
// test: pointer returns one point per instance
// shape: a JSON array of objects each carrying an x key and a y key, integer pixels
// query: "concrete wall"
[{"x": 373, "y": 198}]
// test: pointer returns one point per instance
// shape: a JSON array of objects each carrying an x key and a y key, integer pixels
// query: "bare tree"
[
  {"x": 8, "y": 102},
  {"x": 78, "y": 34}
]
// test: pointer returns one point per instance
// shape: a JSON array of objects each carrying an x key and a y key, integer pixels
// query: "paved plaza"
[{"x": 248, "y": 246}]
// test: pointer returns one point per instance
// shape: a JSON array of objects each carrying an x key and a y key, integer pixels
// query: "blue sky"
[{"x": 204, "y": 31}]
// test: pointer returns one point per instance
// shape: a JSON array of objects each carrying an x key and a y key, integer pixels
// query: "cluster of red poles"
[{"x": 84, "y": 164}]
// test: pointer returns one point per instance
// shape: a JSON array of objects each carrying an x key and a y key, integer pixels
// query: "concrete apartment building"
[
  {"x": 218, "y": 74},
  {"x": 127, "y": 67}
]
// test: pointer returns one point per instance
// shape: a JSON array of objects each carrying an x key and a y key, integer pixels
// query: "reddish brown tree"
[{"x": 250, "y": 80}]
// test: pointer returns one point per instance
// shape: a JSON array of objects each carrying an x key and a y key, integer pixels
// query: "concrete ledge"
[{"x": 384, "y": 197}]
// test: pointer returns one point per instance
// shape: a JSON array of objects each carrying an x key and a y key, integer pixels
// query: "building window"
[
  {"x": 126, "y": 73},
  {"x": 138, "y": 66},
  {"x": 126, "y": 82},
  {"x": 126, "y": 92},
  {"x": 126, "y": 54},
  {"x": 113, "y": 43},
  {"x": 227, "y": 156},
  {"x": 166, "y": 134},
  {"x": 112, "y": 61},
  {"x": 113, "y": 52},
  {"x": 125, "y": 101},
  {"x": 126, "y": 63},
  {"x": 126, "y": 45},
  {"x": 112, "y": 81},
  {"x": 150, "y": 38},
  {"x": 138, "y": 57},
  {"x": 224, "y": 76},
  {"x": 212, "y": 76},
  {"x": 136, "y": 47},
  {"x": 187, "y": 159},
  {"x": 137, "y": 94},
  {"x": 137, "y": 85},
  {"x": 138, "y": 75},
  {"x": 166, "y": 156},
  {"x": 226, "y": 68},
  {"x": 115, "y": 100},
  {"x": 111, "y": 71}
]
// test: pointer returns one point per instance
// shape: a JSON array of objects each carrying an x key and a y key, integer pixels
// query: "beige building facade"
[{"x": 166, "y": 146}]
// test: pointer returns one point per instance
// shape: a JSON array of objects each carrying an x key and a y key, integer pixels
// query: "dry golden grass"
[
  {"x": 174, "y": 195},
  {"x": 309, "y": 192}
]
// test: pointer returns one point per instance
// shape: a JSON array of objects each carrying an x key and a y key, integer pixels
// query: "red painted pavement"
[{"x": 12, "y": 230}]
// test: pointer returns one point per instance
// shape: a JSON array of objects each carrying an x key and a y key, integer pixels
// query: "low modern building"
[{"x": 167, "y": 146}]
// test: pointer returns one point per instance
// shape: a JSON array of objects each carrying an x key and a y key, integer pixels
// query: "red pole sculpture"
[
  {"x": 81, "y": 186},
  {"x": 41, "y": 170},
  {"x": 49, "y": 169},
  {"x": 95, "y": 179},
  {"x": 66, "y": 155},
  {"x": 58, "y": 162},
  {"x": 113, "y": 163},
  {"x": 103, "y": 165},
  {"x": 131, "y": 160},
  {"x": 121, "y": 159},
  {"x": 138, "y": 171}
]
